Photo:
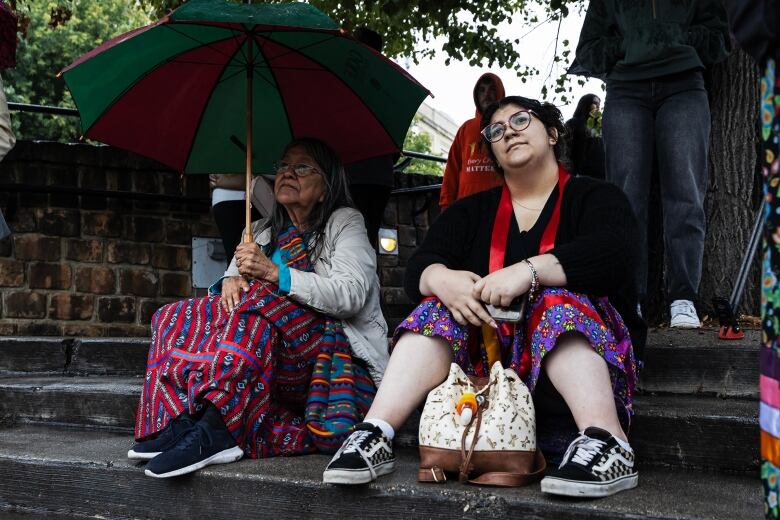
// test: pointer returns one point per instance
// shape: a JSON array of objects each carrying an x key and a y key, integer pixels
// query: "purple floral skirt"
[{"x": 555, "y": 311}]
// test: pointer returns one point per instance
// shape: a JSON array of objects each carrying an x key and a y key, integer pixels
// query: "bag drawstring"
[{"x": 465, "y": 458}]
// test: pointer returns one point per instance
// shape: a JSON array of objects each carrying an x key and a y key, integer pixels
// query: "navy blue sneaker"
[
  {"x": 165, "y": 439},
  {"x": 201, "y": 446}
]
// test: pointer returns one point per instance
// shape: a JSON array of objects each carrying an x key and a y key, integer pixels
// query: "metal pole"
[
  {"x": 248, "y": 239},
  {"x": 747, "y": 260}
]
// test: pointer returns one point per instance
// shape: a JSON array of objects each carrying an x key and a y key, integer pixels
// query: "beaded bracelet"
[{"x": 534, "y": 280}]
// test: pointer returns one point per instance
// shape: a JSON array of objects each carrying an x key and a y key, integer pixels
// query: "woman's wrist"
[
  {"x": 429, "y": 278},
  {"x": 534, "y": 289},
  {"x": 272, "y": 275}
]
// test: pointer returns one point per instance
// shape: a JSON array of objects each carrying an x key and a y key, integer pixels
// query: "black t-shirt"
[{"x": 596, "y": 244}]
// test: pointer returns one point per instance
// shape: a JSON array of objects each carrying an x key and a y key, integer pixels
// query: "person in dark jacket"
[
  {"x": 652, "y": 53},
  {"x": 586, "y": 149},
  {"x": 371, "y": 180}
]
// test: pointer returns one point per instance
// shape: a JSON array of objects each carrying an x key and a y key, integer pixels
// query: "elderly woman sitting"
[{"x": 285, "y": 360}]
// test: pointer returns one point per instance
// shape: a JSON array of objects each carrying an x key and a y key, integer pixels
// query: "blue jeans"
[{"x": 670, "y": 116}]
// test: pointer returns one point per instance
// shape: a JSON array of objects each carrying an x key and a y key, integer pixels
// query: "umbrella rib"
[
  {"x": 203, "y": 112},
  {"x": 275, "y": 85},
  {"x": 232, "y": 75},
  {"x": 346, "y": 85},
  {"x": 169, "y": 26},
  {"x": 254, "y": 67},
  {"x": 243, "y": 54},
  {"x": 255, "y": 73},
  {"x": 190, "y": 62},
  {"x": 327, "y": 37}
]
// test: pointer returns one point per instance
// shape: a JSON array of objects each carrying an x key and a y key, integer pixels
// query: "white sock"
[{"x": 384, "y": 426}]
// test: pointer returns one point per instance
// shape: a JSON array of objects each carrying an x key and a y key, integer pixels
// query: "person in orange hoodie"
[{"x": 469, "y": 169}]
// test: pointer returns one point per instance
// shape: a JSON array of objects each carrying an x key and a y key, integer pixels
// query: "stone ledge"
[
  {"x": 673, "y": 431},
  {"x": 77, "y": 473}
]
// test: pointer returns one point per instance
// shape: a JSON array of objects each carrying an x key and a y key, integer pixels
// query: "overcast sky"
[{"x": 452, "y": 84}]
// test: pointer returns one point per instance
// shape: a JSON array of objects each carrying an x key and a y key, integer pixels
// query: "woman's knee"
[
  {"x": 413, "y": 340},
  {"x": 572, "y": 350}
]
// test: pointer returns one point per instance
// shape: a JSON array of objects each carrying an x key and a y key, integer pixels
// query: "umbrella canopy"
[{"x": 178, "y": 90}]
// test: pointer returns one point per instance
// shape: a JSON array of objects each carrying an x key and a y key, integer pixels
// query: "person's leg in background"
[
  {"x": 628, "y": 145},
  {"x": 230, "y": 219},
  {"x": 682, "y": 134},
  {"x": 371, "y": 200}
]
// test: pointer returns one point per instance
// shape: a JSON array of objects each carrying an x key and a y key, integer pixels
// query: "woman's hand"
[
  {"x": 252, "y": 263},
  {"x": 501, "y": 287},
  {"x": 454, "y": 289},
  {"x": 232, "y": 289}
]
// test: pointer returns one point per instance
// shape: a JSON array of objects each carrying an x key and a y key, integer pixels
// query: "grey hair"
[{"x": 336, "y": 195}]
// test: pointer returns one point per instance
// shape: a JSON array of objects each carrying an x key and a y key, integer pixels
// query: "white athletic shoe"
[{"x": 684, "y": 315}]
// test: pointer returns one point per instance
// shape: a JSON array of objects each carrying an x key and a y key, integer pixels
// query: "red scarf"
[{"x": 499, "y": 238}]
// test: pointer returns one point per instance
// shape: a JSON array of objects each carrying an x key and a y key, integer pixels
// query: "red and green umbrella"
[{"x": 190, "y": 90}]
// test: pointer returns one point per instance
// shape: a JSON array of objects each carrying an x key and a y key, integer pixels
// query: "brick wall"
[
  {"x": 410, "y": 214},
  {"x": 89, "y": 265}
]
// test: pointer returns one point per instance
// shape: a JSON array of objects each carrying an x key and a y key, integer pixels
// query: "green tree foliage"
[
  {"x": 53, "y": 34},
  {"x": 419, "y": 141},
  {"x": 468, "y": 28}
]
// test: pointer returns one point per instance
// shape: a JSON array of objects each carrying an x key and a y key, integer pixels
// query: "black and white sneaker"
[
  {"x": 364, "y": 456},
  {"x": 595, "y": 465},
  {"x": 165, "y": 439},
  {"x": 201, "y": 446}
]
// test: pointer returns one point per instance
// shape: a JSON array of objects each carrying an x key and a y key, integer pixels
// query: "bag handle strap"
[{"x": 465, "y": 457}]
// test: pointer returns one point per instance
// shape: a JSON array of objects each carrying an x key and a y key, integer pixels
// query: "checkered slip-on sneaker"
[
  {"x": 364, "y": 456},
  {"x": 595, "y": 465}
]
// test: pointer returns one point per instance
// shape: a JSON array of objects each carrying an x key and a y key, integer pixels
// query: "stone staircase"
[{"x": 67, "y": 408}]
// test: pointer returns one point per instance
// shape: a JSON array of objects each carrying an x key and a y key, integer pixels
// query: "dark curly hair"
[{"x": 547, "y": 113}]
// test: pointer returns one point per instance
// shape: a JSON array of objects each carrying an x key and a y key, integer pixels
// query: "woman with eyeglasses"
[
  {"x": 283, "y": 356},
  {"x": 568, "y": 244}
]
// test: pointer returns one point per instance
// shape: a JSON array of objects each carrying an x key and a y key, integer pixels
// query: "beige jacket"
[{"x": 344, "y": 285}]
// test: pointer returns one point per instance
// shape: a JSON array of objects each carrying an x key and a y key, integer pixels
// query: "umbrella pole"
[{"x": 248, "y": 239}]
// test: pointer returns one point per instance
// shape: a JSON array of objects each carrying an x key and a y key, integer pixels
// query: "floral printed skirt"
[{"x": 555, "y": 311}]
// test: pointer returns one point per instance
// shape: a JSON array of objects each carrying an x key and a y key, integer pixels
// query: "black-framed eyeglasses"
[
  {"x": 300, "y": 170},
  {"x": 518, "y": 121}
]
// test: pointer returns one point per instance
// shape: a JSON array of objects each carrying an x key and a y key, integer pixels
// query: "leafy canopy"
[
  {"x": 468, "y": 28},
  {"x": 53, "y": 33},
  {"x": 419, "y": 141}
]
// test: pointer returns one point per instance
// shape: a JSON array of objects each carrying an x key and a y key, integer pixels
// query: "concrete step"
[
  {"x": 53, "y": 355},
  {"x": 696, "y": 362},
  {"x": 675, "y": 431},
  {"x": 73, "y": 473},
  {"x": 96, "y": 401},
  {"x": 679, "y": 362}
]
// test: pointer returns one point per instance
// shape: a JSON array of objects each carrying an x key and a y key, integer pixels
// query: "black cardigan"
[{"x": 596, "y": 244}]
